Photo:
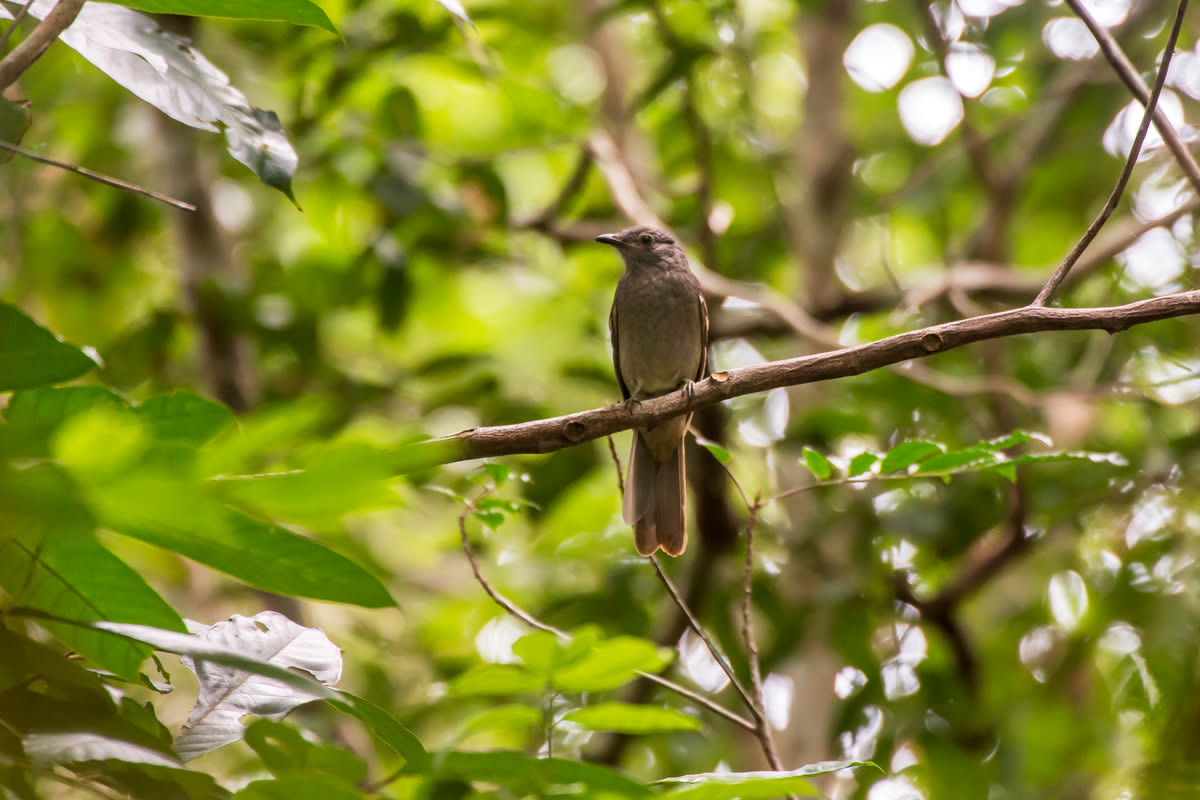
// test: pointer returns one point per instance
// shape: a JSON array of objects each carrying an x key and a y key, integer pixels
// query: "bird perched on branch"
[{"x": 659, "y": 326}]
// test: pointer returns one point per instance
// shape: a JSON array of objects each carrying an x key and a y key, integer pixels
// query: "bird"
[{"x": 659, "y": 327}]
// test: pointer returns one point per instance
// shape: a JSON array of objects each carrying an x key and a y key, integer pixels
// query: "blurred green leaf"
[
  {"x": 184, "y": 417},
  {"x": 14, "y": 121},
  {"x": 905, "y": 454},
  {"x": 496, "y": 679},
  {"x": 35, "y": 415},
  {"x": 537, "y": 776},
  {"x": 31, "y": 356},
  {"x": 718, "y": 452},
  {"x": 751, "y": 785},
  {"x": 634, "y": 719},
  {"x": 297, "y": 12},
  {"x": 817, "y": 464},
  {"x": 311, "y": 786},
  {"x": 861, "y": 463}
]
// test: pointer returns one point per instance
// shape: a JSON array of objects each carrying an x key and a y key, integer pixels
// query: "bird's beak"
[{"x": 608, "y": 238}]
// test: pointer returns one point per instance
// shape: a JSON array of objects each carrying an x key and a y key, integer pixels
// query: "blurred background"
[{"x": 842, "y": 171}]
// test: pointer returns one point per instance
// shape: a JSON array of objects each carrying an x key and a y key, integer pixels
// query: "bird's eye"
[{"x": 647, "y": 238}]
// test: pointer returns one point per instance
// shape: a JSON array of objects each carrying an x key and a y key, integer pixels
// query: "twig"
[
  {"x": 533, "y": 622},
  {"x": 1114, "y": 197},
  {"x": 18, "y": 18},
  {"x": 557, "y": 433},
  {"x": 1129, "y": 75},
  {"x": 764, "y": 734},
  {"x": 612, "y": 450},
  {"x": 717, "y": 655},
  {"x": 21, "y": 57},
  {"x": 96, "y": 176}
]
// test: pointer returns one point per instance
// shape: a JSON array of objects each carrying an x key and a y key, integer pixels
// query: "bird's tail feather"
[{"x": 654, "y": 500}]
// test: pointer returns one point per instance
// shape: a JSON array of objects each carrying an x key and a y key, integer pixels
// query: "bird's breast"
[{"x": 660, "y": 332}]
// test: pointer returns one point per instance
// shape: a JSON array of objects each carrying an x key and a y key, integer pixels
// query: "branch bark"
[
  {"x": 557, "y": 433},
  {"x": 21, "y": 57}
]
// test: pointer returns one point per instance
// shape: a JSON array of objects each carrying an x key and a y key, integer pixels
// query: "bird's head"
[{"x": 646, "y": 246}]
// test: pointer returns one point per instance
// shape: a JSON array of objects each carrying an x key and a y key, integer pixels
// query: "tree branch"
[
  {"x": 557, "y": 433},
  {"x": 1114, "y": 197},
  {"x": 21, "y": 57}
]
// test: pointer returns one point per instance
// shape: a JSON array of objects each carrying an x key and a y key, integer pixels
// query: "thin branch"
[
  {"x": 17, "y": 19},
  {"x": 96, "y": 176},
  {"x": 1130, "y": 77},
  {"x": 765, "y": 737},
  {"x": 557, "y": 433},
  {"x": 717, "y": 655},
  {"x": 612, "y": 451},
  {"x": 533, "y": 622},
  {"x": 21, "y": 57},
  {"x": 1114, "y": 197}
]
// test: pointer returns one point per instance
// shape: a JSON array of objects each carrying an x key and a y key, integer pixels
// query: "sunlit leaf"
[
  {"x": 906, "y": 454},
  {"x": 752, "y": 785},
  {"x": 817, "y": 464},
  {"x": 297, "y": 12},
  {"x": 861, "y": 463},
  {"x": 496, "y": 679},
  {"x": 635, "y": 719}
]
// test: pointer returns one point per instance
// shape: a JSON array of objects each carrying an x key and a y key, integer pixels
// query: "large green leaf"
[
  {"x": 184, "y": 417},
  {"x": 537, "y": 776},
  {"x": 31, "y": 356},
  {"x": 752, "y": 785},
  {"x": 64, "y": 572},
  {"x": 389, "y": 729},
  {"x": 179, "y": 517},
  {"x": 297, "y": 12},
  {"x": 35, "y": 415},
  {"x": 630, "y": 718}
]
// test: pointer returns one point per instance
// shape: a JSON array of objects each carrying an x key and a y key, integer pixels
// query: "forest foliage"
[{"x": 231, "y": 564}]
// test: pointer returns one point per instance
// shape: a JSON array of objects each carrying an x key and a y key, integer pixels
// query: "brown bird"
[{"x": 659, "y": 326}]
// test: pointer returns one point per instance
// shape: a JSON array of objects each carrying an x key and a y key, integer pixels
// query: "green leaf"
[
  {"x": 959, "y": 460},
  {"x": 861, "y": 463},
  {"x": 496, "y": 679},
  {"x": 719, "y": 453},
  {"x": 176, "y": 516},
  {"x": 817, "y": 464},
  {"x": 35, "y": 415},
  {"x": 64, "y": 572},
  {"x": 297, "y": 12},
  {"x": 184, "y": 417},
  {"x": 308, "y": 786},
  {"x": 608, "y": 664},
  {"x": 635, "y": 719},
  {"x": 508, "y": 718},
  {"x": 544, "y": 653},
  {"x": 387, "y": 728},
  {"x": 525, "y": 775},
  {"x": 752, "y": 785},
  {"x": 31, "y": 356},
  {"x": 906, "y": 454}
]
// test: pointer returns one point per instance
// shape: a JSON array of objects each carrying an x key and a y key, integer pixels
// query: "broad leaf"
[
  {"x": 496, "y": 679},
  {"x": 30, "y": 355},
  {"x": 62, "y": 571},
  {"x": 635, "y": 719},
  {"x": 906, "y": 454},
  {"x": 389, "y": 730},
  {"x": 297, "y": 12},
  {"x": 752, "y": 785},
  {"x": 525, "y": 775},
  {"x": 184, "y": 417},
  {"x": 166, "y": 71}
]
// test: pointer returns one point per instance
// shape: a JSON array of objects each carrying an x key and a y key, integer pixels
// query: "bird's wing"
[
  {"x": 703, "y": 370},
  {"x": 616, "y": 349}
]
